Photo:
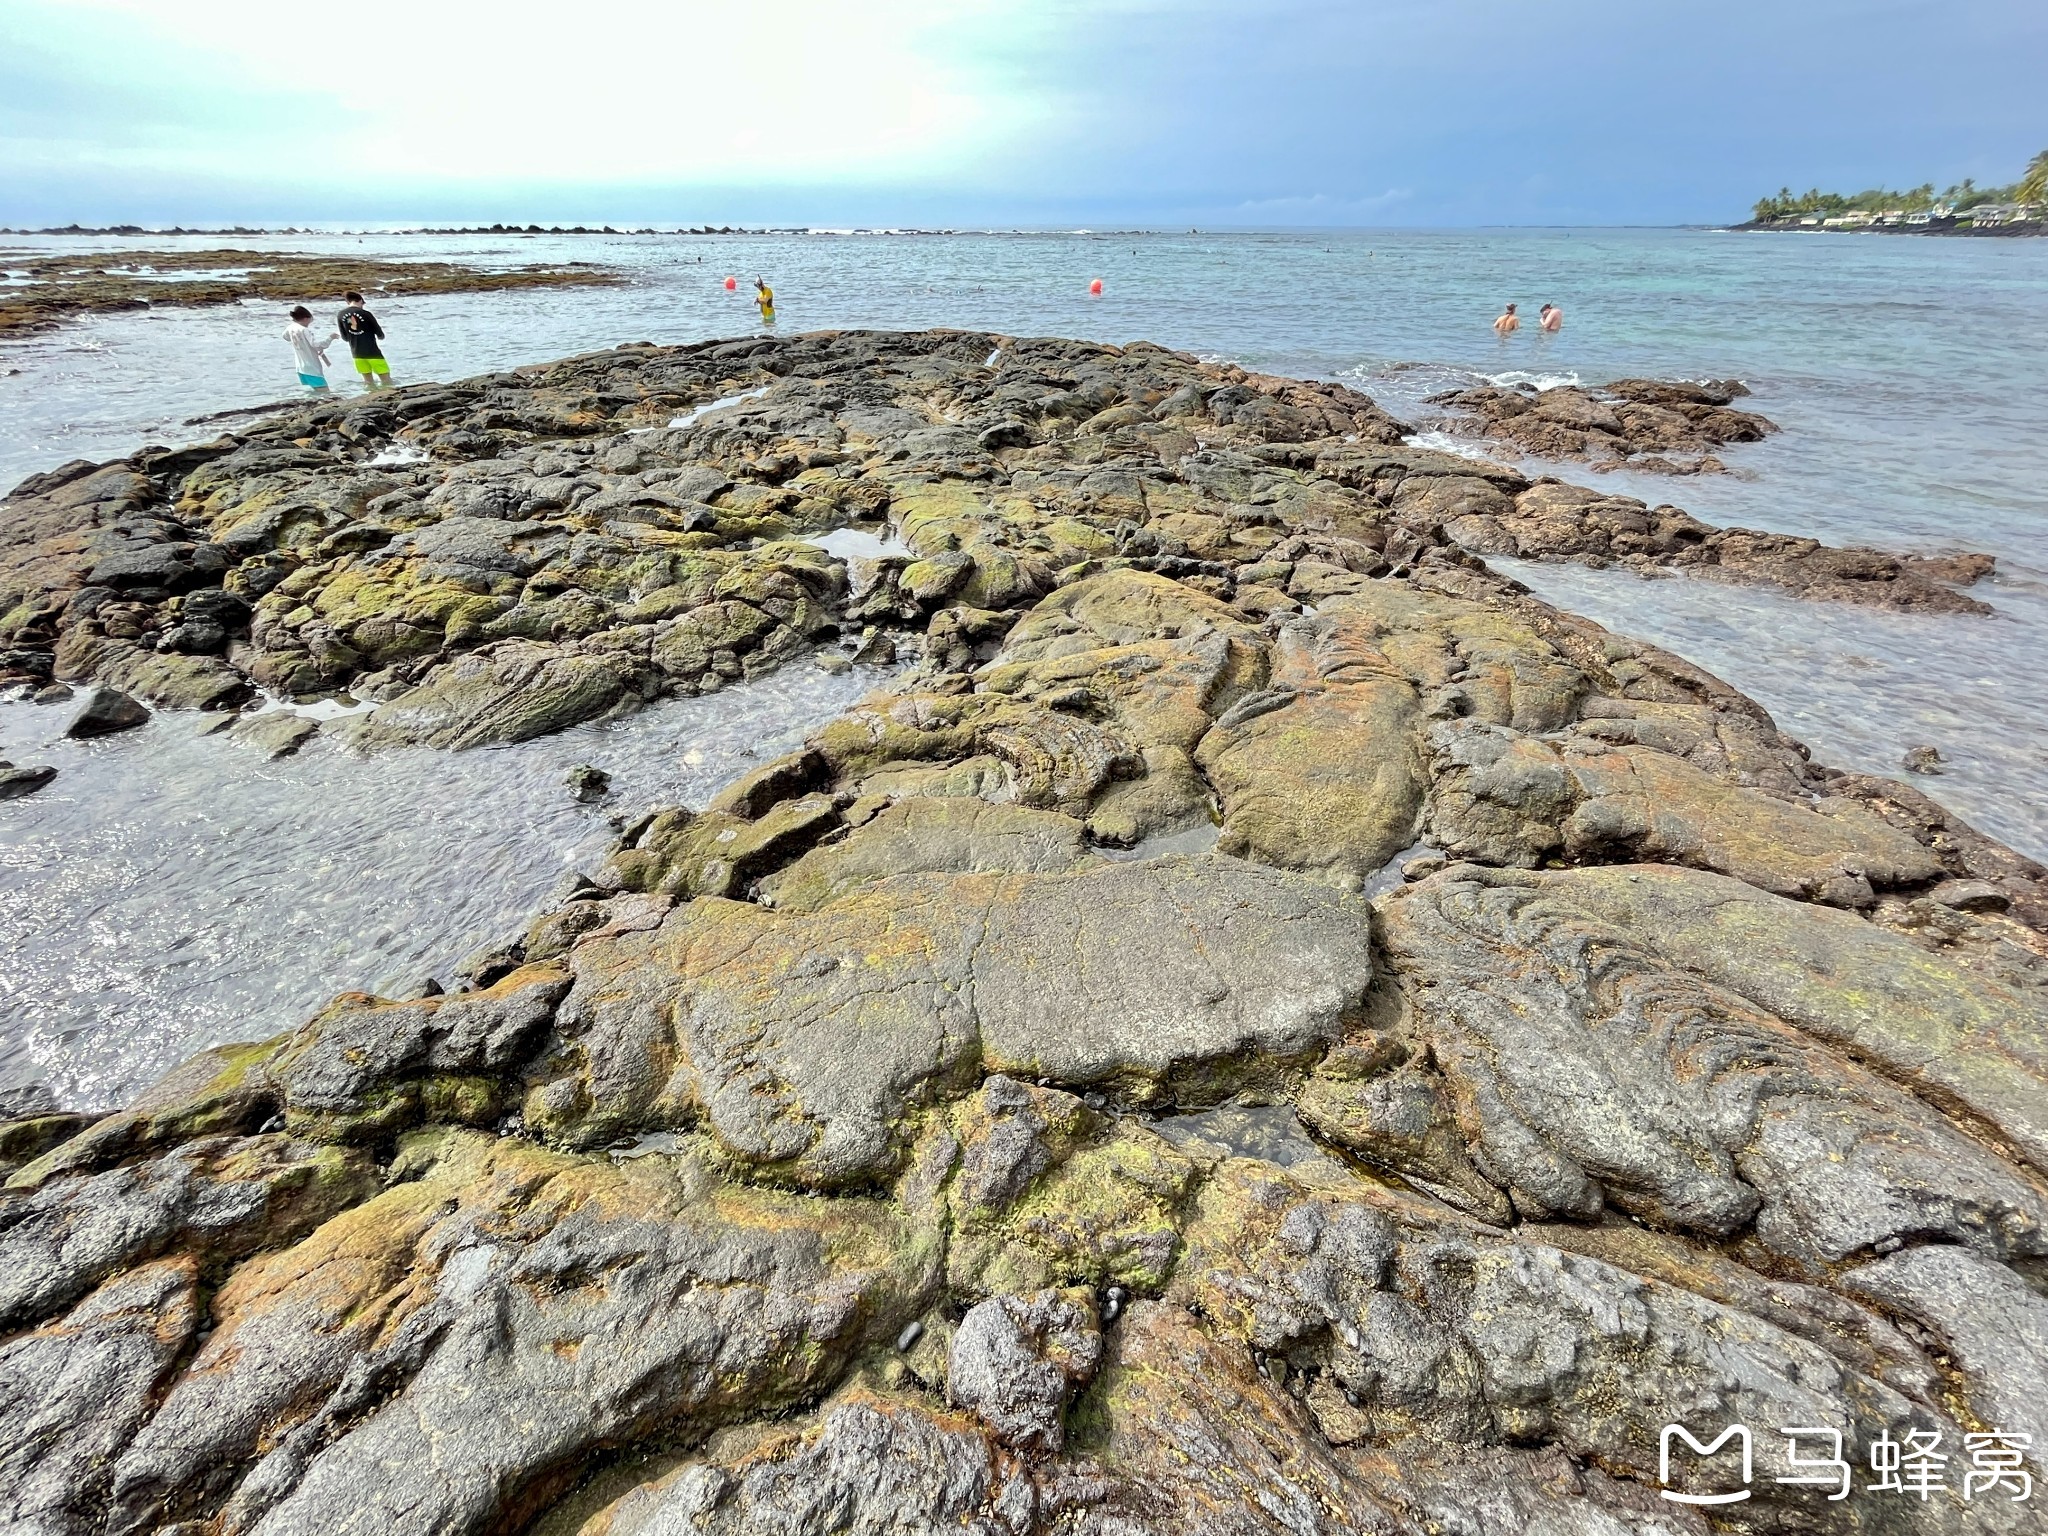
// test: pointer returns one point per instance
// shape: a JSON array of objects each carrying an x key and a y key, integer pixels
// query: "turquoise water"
[{"x": 1908, "y": 374}]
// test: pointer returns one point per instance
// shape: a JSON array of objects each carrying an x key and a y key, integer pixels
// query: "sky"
[{"x": 1167, "y": 113}]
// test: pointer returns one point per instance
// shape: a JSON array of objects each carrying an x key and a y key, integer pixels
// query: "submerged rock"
[
  {"x": 587, "y": 783},
  {"x": 1924, "y": 760},
  {"x": 277, "y": 733},
  {"x": 906, "y": 1140},
  {"x": 16, "y": 782},
  {"x": 105, "y": 711}
]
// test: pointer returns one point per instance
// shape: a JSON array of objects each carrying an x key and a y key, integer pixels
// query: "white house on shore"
[
  {"x": 1981, "y": 215},
  {"x": 1985, "y": 214}
]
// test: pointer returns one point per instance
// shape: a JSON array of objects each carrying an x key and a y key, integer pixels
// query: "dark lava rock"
[
  {"x": 587, "y": 783},
  {"x": 1924, "y": 760},
  {"x": 106, "y": 711},
  {"x": 16, "y": 782},
  {"x": 1638, "y": 421},
  {"x": 194, "y": 637}
]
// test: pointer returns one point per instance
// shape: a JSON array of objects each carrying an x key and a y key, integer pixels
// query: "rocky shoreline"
[
  {"x": 61, "y": 288},
  {"x": 1269, "y": 1028}
]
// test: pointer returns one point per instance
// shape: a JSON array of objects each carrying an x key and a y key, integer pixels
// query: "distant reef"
[{"x": 62, "y": 288}]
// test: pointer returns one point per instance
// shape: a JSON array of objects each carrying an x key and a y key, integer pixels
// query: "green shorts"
[{"x": 368, "y": 365}]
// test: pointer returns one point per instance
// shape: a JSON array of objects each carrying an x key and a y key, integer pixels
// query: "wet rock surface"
[
  {"x": 18, "y": 781},
  {"x": 509, "y": 555},
  {"x": 1551, "y": 520},
  {"x": 1267, "y": 1028},
  {"x": 105, "y": 711}
]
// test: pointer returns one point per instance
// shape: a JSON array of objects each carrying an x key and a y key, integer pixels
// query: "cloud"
[
  {"x": 447, "y": 90},
  {"x": 997, "y": 111},
  {"x": 74, "y": 94}
]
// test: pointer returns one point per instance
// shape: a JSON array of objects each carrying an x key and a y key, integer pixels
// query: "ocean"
[{"x": 1907, "y": 374}]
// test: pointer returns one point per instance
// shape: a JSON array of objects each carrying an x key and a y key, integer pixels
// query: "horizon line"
[{"x": 403, "y": 227}]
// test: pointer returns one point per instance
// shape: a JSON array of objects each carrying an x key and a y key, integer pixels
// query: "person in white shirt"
[{"x": 310, "y": 355}]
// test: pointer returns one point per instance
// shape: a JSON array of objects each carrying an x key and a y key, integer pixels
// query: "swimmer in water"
[
  {"x": 1551, "y": 318},
  {"x": 1507, "y": 324},
  {"x": 764, "y": 296}
]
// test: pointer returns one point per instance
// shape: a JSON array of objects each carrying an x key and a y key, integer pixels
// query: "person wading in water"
[
  {"x": 310, "y": 355},
  {"x": 764, "y": 296},
  {"x": 359, "y": 328}
]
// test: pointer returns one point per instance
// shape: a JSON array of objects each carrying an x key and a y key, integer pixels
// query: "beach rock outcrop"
[
  {"x": 803, "y": 1040},
  {"x": 1262, "y": 1027},
  {"x": 1637, "y": 422},
  {"x": 1554, "y": 521},
  {"x": 617, "y": 527}
]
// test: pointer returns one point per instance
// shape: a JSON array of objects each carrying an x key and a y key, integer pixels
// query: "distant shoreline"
[
  {"x": 246, "y": 230},
  {"x": 1931, "y": 227},
  {"x": 425, "y": 231}
]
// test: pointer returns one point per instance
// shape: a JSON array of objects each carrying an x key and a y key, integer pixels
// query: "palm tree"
[{"x": 2033, "y": 187}]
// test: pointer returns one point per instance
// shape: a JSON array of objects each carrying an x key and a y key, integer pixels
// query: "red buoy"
[
  {"x": 1096, "y": 287},
  {"x": 732, "y": 285}
]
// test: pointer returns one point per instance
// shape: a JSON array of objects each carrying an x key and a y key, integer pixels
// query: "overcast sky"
[{"x": 1166, "y": 112}]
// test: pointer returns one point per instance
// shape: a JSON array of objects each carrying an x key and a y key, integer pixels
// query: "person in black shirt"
[{"x": 359, "y": 328}]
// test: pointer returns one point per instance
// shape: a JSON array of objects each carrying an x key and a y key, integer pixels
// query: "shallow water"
[
  {"x": 863, "y": 544},
  {"x": 1268, "y": 1131},
  {"x": 1906, "y": 372},
  {"x": 1858, "y": 686},
  {"x": 170, "y": 891},
  {"x": 1193, "y": 840}
]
